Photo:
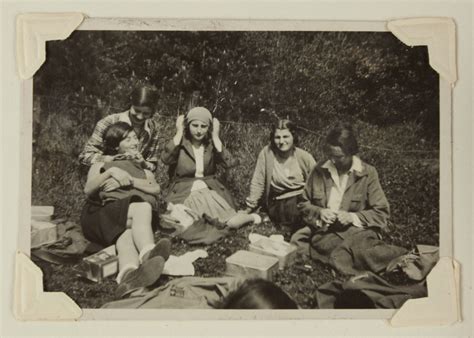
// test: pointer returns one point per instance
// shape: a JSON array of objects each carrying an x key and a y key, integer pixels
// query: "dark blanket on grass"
[
  {"x": 404, "y": 278},
  {"x": 206, "y": 230}
]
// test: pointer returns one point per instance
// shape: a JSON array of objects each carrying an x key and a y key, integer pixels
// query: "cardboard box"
[
  {"x": 250, "y": 264},
  {"x": 43, "y": 233},
  {"x": 101, "y": 265},
  {"x": 285, "y": 252},
  {"x": 42, "y": 213}
]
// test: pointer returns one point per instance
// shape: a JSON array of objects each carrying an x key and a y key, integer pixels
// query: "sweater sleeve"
[
  {"x": 377, "y": 212},
  {"x": 306, "y": 161},
  {"x": 310, "y": 212},
  {"x": 311, "y": 163},
  {"x": 153, "y": 153},
  {"x": 257, "y": 185},
  {"x": 170, "y": 153},
  {"x": 93, "y": 150}
]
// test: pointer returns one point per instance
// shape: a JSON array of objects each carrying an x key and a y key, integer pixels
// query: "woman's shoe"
[
  {"x": 162, "y": 248},
  {"x": 145, "y": 275}
]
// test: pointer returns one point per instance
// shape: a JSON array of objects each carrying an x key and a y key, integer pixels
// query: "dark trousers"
[
  {"x": 284, "y": 212},
  {"x": 349, "y": 252}
]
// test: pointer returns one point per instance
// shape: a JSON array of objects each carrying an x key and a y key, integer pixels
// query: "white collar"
[{"x": 356, "y": 165}]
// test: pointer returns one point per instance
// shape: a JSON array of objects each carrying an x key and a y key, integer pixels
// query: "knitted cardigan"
[{"x": 262, "y": 176}]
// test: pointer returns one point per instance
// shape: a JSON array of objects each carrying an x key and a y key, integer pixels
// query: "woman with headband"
[{"x": 193, "y": 156}]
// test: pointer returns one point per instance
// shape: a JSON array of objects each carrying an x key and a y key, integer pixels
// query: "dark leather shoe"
[
  {"x": 146, "y": 274},
  {"x": 162, "y": 248}
]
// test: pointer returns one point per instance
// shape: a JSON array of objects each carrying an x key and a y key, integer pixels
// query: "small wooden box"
[
  {"x": 283, "y": 251},
  {"x": 250, "y": 264},
  {"x": 101, "y": 265},
  {"x": 43, "y": 233},
  {"x": 42, "y": 213}
]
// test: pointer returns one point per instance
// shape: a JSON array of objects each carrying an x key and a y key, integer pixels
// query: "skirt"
[
  {"x": 285, "y": 212},
  {"x": 103, "y": 224},
  {"x": 209, "y": 202}
]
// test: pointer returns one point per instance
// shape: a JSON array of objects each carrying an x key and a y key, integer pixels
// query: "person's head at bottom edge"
[{"x": 258, "y": 294}]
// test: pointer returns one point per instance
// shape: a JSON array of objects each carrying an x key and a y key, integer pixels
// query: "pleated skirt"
[{"x": 209, "y": 202}]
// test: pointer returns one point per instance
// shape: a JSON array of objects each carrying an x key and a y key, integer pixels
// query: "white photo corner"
[{"x": 247, "y": 73}]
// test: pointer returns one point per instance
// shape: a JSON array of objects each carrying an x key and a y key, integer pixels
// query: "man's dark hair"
[{"x": 343, "y": 136}]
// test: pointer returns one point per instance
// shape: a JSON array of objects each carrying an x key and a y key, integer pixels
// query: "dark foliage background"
[{"x": 248, "y": 79}]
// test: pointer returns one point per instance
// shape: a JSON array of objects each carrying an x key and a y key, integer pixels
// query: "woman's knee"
[
  {"x": 124, "y": 238},
  {"x": 140, "y": 208}
]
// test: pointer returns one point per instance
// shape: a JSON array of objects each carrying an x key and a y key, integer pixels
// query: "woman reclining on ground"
[{"x": 120, "y": 210}]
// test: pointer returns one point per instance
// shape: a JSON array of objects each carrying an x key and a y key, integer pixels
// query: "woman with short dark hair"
[
  {"x": 280, "y": 175},
  {"x": 140, "y": 117},
  {"x": 258, "y": 294},
  {"x": 342, "y": 201},
  {"x": 121, "y": 209}
]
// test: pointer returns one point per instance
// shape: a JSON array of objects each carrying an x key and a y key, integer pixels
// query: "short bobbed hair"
[
  {"x": 145, "y": 96},
  {"x": 113, "y": 135},
  {"x": 343, "y": 136},
  {"x": 284, "y": 124},
  {"x": 258, "y": 294}
]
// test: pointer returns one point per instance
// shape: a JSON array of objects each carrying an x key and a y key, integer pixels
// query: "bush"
[{"x": 312, "y": 77}]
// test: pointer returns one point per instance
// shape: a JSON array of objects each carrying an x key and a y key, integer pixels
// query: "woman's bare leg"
[
  {"x": 140, "y": 215},
  {"x": 127, "y": 253},
  {"x": 241, "y": 219}
]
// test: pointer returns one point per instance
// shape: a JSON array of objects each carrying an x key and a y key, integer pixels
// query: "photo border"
[{"x": 445, "y": 206}]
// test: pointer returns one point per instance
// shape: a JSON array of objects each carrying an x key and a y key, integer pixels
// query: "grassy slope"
[{"x": 410, "y": 181}]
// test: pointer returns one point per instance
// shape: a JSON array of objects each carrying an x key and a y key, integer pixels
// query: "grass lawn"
[
  {"x": 300, "y": 280},
  {"x": 407, "y": 165}
]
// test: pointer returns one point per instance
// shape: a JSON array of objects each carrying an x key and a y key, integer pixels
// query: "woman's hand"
[
  {"x": 180, "y": 124},
  {"x": 149, "y": 165},
  {"x": 245, "y": 211},
  {"x": 108, "y": 158},
  {"x": 328, "y": 216},
  {"x": 110, "y": 184},
  {"x": 179, "y": 130},
  {"x": 122, "y": 177},
  {"x": 124, "y": 157},
  {"x": 138, "y": 157},
  {"x": 216, "y": 127},
  {"x": 344, "y": 218}
]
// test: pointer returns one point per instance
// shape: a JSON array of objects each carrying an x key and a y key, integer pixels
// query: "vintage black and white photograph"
[{"x": 249, "y": 169}]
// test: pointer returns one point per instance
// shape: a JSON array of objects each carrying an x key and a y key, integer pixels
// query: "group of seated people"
[{"x": 322, "y": 203}]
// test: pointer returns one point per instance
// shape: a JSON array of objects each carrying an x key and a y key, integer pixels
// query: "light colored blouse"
[
  {"x": 339, "y": 187},
  {"x": 287, "y": 176},
  {"x": 199, "y": 158}
]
